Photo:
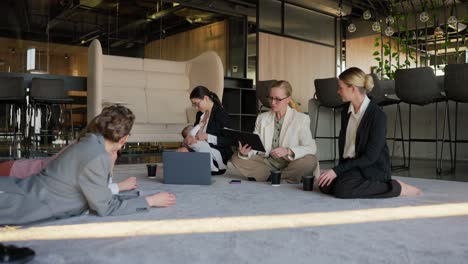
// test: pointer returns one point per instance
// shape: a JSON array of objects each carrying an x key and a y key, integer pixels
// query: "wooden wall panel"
[
  {"x": 298, "y": 62},
  {"x": 359, "y": 53},
  {"x": 75, "y": 65},
  {"x": 187, "y": 45}
]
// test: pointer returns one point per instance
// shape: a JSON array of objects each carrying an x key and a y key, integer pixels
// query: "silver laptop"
[{"x": 187, "y": 168}]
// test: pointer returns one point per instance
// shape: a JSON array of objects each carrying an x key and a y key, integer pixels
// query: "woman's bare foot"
[
  {"x": 409, "y": 190},
  {"x": 128, "y": 184},
  {"x": 162, "y": 199}
]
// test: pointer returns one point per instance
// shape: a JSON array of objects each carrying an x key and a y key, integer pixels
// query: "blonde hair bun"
[
  {"x": 355, "y": 76},
  {"x": 368, "y": 83}
]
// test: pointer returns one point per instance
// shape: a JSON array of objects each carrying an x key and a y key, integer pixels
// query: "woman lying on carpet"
[
  {"x": 364, "y": 167},
  {"x": 210, "y": 120},
  {"x": 77, "y": 180},
  {"x": 24, "y": 168},
  {"x": 285, "y": 134}
]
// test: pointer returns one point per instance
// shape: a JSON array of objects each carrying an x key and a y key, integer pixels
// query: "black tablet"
[{"x": 245, "y": 138}]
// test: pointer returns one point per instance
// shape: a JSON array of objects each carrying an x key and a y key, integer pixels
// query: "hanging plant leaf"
[
  {"x": 377, "y": 58},
  {"x": 376, "y": 53}
]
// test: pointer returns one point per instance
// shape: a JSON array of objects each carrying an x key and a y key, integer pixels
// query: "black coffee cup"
[
  {"x": 151, "y": 169},
  {"x": 308, "y": 183},
  {"x": 275, "y": 176}
]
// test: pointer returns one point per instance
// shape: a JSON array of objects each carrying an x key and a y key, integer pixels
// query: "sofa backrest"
[{"x": 157, "y": 91}]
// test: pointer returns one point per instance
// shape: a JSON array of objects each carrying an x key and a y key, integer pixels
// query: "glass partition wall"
[
  {"x": 293, "y": 20},
  {"x": 50, "y": 39}
]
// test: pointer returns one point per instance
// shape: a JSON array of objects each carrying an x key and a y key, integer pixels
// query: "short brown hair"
[{"x": 113, "y": 123}]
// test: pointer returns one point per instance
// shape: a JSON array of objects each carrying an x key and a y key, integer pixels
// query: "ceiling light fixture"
[
  {"x": 367, "y": 15},
  {"x": 376, "y": 26},
  {"x": 452, "y": 21},
  {"x": 390, "y": 20},
  {"x": 424, "y": 17},
  {"x": 389, "y": 31},
  {"x": 352, "y": 28}
]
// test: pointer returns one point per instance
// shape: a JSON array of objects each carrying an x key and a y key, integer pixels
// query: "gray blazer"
[{"x": 75, "y": 182}]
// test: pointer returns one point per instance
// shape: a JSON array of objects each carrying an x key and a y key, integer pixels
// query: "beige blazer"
[{"x": 295, "y": 134}]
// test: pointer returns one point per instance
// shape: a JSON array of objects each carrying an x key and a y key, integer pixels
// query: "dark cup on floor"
[
  {"x": 151, "y": 169},
  {"x": 275, "y": 176},
  {"x": 308, "y": 183}
]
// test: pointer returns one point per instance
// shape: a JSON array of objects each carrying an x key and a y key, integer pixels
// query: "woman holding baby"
[{"x": 207, "y": 133}]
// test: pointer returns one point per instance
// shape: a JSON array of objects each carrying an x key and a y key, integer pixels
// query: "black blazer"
[
  {"x": 372, "y": 157},
  {"x": 219, "y": 119}
]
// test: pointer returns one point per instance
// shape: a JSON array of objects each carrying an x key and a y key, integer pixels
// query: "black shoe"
[{"x": 12, "y": 254}]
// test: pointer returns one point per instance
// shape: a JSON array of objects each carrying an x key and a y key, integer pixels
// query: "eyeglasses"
[
  {"x": 271, "y": 99},
  {"x": 197, "y": 104}
]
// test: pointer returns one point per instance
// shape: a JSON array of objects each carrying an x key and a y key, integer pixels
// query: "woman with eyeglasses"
[
  {"x": 364, "y": 167},
  {"x": 208, "y": 129},
  {"x": 77, "y": 180},
  {"x": 285, "y": 134}
]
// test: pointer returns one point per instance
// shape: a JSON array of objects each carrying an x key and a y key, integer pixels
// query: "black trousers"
[{"x": 353, "y": 185}]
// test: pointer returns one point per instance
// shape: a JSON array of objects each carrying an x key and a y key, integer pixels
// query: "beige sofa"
[{"x": 157, "y": 91}]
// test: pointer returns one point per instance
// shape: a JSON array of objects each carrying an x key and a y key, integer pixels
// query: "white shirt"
[
  {"x": 193, "y": 132},
  {"x": 114, "y": 187},
  {"x": 211, "y": 138},
  {"x": 353, "y": 124}
]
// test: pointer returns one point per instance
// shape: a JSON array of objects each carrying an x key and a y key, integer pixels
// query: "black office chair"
[
  {"x": 13, "y": 95},
  {"x": 48, "y": 93},
  {"x": 327, "y": 96},
  {"x": 379, "y": 96},
  {"x": 419, "y": 86},
  {"x": 262, "y": 90},
  {"x": 456, "y": 89}
]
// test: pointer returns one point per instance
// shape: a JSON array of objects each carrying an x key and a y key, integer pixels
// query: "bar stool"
[
  {"x": 47, "y": 93},
  {"x": 379, "y": 96},
  {"x": 13, "y": 94},
  {"x": 327, "y": 96},
  {"x": 456, "y": 89},
  {"x": 419, "y": 86}
]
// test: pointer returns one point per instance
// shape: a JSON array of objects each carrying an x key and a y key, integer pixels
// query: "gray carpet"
[{"x": 257, "y": 223}]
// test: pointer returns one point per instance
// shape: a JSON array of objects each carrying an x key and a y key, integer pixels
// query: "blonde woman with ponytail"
[
  {"x": 364, "y": 168},
  {"x": 285, "y": 134}
]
